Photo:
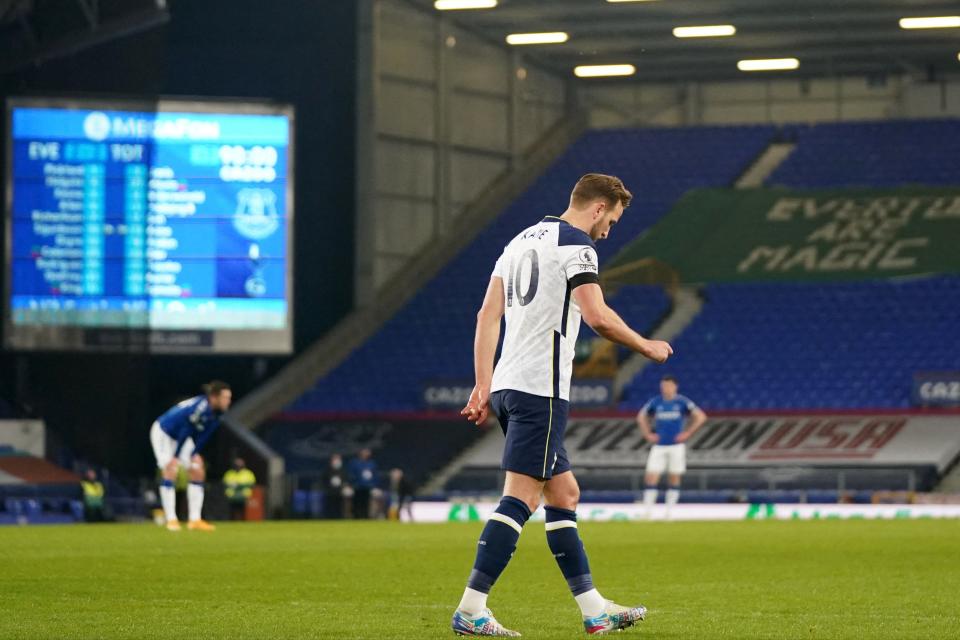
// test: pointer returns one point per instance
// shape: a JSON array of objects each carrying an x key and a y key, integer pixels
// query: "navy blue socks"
[
  {"x": 497, "y": 543},
  {"x": 564, "y": 541},
  {"x": 499, "y": 540}
]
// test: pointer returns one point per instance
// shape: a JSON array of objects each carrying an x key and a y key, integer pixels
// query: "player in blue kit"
[
  {"x": 177, "y": 438},
  {"x": 546, "y": 279},
  {"x": 670, "y": 412}
]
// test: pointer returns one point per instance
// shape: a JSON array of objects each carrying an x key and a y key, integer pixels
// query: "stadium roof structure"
[
  {"x": 35, "y": 31},
  {"x": 828, "y": 37}
]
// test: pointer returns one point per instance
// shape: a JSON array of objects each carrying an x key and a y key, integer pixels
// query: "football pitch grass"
[{"x": 764, "y": 579}]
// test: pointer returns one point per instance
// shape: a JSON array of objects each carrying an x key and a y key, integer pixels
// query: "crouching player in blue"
[
  {"x": 545, "y": 281},
  {"x": 177, "y": 437}
]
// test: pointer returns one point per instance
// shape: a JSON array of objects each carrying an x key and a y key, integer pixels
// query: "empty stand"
[
  {"x": 432, "y": 337},
  {"x": 751, "y": 347},
  {"x": 875, "y": 154},
  {"x": 812, "y": 346},
  {"x": 796, "y": 346}
]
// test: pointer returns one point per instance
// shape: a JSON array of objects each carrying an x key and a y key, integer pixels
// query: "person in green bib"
[
  {"x": 92, "y": 497},
  {"x": 238, "y": 484}
]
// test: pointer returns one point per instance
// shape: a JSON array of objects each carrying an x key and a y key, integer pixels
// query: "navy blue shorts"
[{"x": 534, "y": 427}]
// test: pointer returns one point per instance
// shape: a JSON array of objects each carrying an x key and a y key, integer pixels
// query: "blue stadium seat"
[
  {"x": 300, "y": 503},
  {"x": 76, "y": 510}
]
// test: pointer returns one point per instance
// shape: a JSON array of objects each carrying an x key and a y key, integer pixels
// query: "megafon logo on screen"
[{"x": 98, "y": 126}]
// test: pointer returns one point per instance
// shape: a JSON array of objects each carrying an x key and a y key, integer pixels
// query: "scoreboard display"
[{"x": 162, "y": 227}]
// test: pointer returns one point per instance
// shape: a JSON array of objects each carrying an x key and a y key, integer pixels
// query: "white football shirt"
[{"x": 540, "y": 269}]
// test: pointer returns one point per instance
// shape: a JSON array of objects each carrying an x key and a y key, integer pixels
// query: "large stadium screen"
[{"x": 163, "y": 226}]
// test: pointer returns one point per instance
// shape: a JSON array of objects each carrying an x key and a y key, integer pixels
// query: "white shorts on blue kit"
[
  {"x": 165, "y": 447},
  {"x": 670, "y": 458}
]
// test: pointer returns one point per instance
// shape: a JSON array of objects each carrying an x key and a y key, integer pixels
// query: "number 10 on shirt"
[{"x": 516, "y": 272}]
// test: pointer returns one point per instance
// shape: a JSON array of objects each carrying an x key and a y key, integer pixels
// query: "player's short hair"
[
  {"x": 669, "y": 378},
  {"x": 597, "y": 186},
  {"x": 214, "y": 387}
]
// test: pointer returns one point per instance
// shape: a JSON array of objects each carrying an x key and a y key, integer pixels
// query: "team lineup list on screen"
[{"x": 162, "y": 221}]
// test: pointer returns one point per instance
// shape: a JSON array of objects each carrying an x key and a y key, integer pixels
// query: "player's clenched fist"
[
  {"x": 657, "y": 350},
  {"x": 477, "y": 406}
]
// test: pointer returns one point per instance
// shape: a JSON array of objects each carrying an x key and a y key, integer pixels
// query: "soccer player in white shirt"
[{"x": 546, "y": 279}]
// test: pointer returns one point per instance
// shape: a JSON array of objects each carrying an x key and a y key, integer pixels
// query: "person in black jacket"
[
  {"x": 401, "y": 496},
  {"x": 335, "y": 488}
]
